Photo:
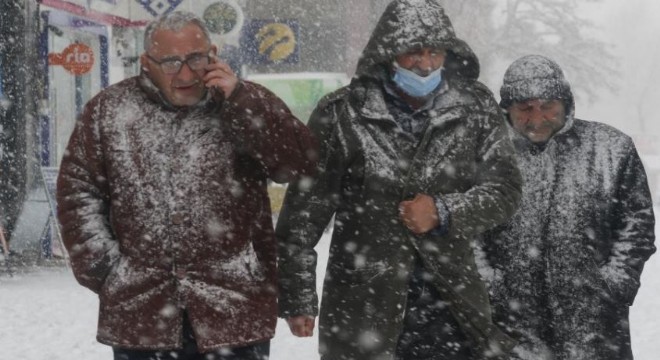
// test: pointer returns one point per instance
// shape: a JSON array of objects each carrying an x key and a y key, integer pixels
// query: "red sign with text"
[{"x": 77, "y": 59}]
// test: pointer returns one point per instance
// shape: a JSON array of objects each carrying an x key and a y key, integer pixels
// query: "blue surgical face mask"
[{"x": 415, "y": 85}]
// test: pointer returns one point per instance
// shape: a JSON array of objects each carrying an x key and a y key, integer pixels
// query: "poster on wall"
[
  {"x": 159, "y": 7},
  {"x": 267, "y": 42},
  {"x": 118, "y": 12},
  {"x": 224, "y": 17}
]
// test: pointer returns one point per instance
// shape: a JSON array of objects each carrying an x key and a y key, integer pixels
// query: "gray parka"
[
  {"x": 367, "y": 166},
  {"x": 565, "y": 269}
]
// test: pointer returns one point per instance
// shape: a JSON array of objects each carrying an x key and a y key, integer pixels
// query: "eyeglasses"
[{"x": 172, "y": 66}]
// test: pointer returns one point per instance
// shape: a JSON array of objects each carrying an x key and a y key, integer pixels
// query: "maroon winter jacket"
[{"x": 165, "y": 209}]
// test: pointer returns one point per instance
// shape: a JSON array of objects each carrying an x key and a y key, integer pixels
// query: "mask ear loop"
[{"x": 395, "y": 67}]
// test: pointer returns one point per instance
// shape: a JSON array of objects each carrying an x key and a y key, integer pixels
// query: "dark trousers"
[
  {"x": 430, "y": 331},
  {"x": 259, "y": 351}
]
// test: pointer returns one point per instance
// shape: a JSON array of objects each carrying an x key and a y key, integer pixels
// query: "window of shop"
[{"x": 78, "y": 69}]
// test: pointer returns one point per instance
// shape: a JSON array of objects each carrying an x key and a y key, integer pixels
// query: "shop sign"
[
  {"x": 223, "y": 17},
  {"x": 270, "y": 42},
  {"x": 77, "y": 59}
]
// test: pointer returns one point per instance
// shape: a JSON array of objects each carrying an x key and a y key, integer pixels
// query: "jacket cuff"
[
  {"x": 622, "y": 286},
  {"x": 240, "y": 86},
  {"x": 302, "y": 306},
  {"x": 444, "y": 216}
]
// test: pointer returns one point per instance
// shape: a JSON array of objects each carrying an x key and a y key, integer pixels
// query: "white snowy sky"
[
  {"x": 64, "y": 323},
  {"x": 632, "y": 26},
  {"x": 632, "y": 29}
]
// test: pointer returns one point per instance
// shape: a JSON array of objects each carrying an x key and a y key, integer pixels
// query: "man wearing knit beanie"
[{"x": 565, "y": 269}]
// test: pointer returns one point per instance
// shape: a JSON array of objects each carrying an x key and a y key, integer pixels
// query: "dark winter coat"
[
  {"x": 164, "y": 209},
  {"x": 566, "y": 268},
  {"x": 368, "y": 165}
]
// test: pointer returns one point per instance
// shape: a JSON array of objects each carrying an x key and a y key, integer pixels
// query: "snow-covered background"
[{"x": 46, "y": 315}]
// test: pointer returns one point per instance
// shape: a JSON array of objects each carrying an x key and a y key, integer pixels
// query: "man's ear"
[{"x": 144, "y": 63}]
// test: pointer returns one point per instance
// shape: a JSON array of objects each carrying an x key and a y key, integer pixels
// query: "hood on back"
[{"x": 410, "y": 24}]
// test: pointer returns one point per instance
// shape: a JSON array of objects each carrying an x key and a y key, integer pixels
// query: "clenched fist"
[
  {"x": 301, "y": 326},
  {"x": 419, "y": 215}
]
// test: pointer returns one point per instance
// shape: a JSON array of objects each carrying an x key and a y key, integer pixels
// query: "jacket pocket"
[
  {"x": 356, "y": 276},
  {"x": 112, "y": 274},
  {"x": 598, "y": 283},
  {"x": 128, "y": 282}
]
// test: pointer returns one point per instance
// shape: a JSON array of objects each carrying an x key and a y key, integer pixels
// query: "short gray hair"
[{"x": 174, "y": 21}]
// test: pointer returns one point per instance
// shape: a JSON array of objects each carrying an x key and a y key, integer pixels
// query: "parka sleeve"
[
  {"x": 83, "y": 204},
  {"x": 496, "y": 192},
  {"x": 632, "y": 232},
  {"x": 308, "y": 206},
  {"x": 264, "y": 128}
]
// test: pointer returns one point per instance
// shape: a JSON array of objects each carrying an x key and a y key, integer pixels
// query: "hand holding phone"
[{"x": 220, "y": 79}]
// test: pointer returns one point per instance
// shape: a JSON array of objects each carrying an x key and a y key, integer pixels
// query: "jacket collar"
[{"x": 370, "y": 99}]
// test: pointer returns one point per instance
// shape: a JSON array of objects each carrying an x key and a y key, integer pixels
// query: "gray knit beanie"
[{"x": 534, "y": 77}]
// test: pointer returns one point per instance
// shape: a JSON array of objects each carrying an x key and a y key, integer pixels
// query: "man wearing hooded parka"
[
  {"x": 377, "y": 153},
  {"x": 565, "y": 269}
]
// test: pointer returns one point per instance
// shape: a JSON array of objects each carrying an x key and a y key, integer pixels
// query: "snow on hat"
[{"x": 534, "y": 77}]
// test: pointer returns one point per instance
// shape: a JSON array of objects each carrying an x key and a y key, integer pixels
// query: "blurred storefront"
[
  {"x": 19, "y": 103},
  {"x": 88, "y": 44},
  {"x": 69, "y": 50}
]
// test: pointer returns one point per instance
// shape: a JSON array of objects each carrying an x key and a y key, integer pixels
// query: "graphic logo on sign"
[
  {"x": 159, "y": 7},
  {"x": 221, "y": 17},
  {"x": 271, "y": 41},
  {"x": 276, "y": 41},
  {"x": 77, "y": 59}
]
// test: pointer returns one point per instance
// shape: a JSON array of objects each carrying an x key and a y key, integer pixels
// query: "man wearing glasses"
[{"x": 163, "y": 204}]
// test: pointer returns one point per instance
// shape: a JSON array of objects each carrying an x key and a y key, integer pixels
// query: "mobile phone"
[{"x": 217, "y": 94}]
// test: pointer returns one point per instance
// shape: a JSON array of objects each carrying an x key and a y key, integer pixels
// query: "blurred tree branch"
[{"x": 506, "y": 31}]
